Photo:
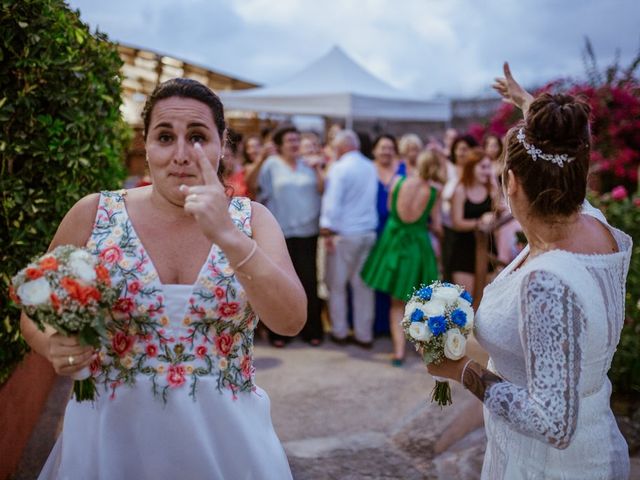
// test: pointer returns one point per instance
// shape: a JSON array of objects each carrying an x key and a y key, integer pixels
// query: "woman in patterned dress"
[{"x": 177, "y": 397}]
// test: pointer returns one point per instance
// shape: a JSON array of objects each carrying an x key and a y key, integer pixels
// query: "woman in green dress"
[{"x": 403, "y": 256}]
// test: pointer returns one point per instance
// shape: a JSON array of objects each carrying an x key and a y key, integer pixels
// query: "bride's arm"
[{"x": 551, "y": 332}]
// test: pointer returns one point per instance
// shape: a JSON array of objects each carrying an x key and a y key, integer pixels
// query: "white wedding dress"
[{"x": 551, "y": 328}]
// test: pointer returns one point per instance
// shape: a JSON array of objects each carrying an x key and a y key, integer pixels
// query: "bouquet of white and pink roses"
[
  {"x": 70, "y": 291},
  {"x": 437, "y": 319}
]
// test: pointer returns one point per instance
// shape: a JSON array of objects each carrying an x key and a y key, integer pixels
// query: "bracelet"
[
  {"x": 464, "y": 369},
  {"x": 248, "y": 257}
]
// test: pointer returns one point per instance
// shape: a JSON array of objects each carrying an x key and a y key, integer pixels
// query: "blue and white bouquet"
[{"x": 437, "y": 319}]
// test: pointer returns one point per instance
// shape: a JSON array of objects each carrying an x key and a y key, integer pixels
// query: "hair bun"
[{"x": 558, "y": 121}]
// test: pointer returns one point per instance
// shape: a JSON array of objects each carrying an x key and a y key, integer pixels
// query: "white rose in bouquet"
[
  {"x": 411, "y": 307},
  {"x": 446, "y": 294},
  {"x": 455, "y": 344},
  {"x": 35, "y": 292},
  {"x": 419, "y": 331},
  {"x": 434, "y": 308},
  {"x": 81, "y": 265}
]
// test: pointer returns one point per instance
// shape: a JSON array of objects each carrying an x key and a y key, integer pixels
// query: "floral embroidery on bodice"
[{"x": 212, "y": 338}]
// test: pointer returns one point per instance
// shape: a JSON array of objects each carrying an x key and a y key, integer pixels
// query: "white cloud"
[{"x": 454, "y": 47}]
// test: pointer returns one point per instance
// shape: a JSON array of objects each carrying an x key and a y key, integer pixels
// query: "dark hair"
[
  {"x": 555, "y": 124},
  {"x": 485, "y": 141},
  {"x": 468, "y": 139},
  {"x": 185, "y": 88},
  {"x": 234, "y": 139},
  {"x": 388, "y": 136},
  {"x": 366, "y": 147},
  {"x": 280, "y": 132}
]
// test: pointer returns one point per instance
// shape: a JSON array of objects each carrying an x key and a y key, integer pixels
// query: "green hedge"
[{"x": 61, "y": 138}]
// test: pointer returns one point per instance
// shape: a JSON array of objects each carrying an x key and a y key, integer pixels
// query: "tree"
[{"x": 61, "y": 138}]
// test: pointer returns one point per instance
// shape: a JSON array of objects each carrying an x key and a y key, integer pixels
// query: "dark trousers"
[
  {"x": 303, "y": 255},
  {"x": 446, "y": 253}
]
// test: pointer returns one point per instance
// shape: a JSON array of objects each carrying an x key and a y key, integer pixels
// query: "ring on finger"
[{"x": 70, "y": 360}]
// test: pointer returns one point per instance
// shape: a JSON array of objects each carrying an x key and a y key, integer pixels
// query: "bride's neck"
[{"x": 544, "y": 234}]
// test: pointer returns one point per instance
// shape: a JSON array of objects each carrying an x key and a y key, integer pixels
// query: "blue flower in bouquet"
[
  {"x": 447, "y": 284},
  {"x": 417, "y": 315},
  {"x": 424, "y": 293},
  {"x": 459, "y": 317},
  {"x": 467, "y": 296},
  {"x": 437, "y": 325}
]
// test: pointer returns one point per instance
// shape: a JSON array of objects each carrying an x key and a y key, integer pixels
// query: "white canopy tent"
[{"x": 336, "y": 86}]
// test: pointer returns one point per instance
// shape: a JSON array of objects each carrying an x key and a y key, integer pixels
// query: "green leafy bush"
[
  {"x": 623, "y": 212},
  {"x": 61, "y": 136}
]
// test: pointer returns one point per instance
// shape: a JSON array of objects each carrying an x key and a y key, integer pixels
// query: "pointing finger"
[
  {"x": 209, "y": 175},
  {"x": 507, "y": 72}
]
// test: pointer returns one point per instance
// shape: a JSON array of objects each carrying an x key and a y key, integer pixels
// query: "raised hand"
[
  {"x": 511, "y": 91},
  {"x": 208, "y": 203}
]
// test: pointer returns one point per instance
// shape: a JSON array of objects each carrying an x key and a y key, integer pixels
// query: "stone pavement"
[{"x": 345, "y": 413}]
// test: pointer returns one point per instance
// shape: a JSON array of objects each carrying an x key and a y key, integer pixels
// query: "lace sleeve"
[{"x": 551, "y": 331}]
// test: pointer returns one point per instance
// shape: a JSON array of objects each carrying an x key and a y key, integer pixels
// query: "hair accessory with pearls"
[{"x": 536, "y": 153}]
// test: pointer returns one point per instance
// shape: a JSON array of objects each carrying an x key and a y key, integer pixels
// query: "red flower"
[
  {"x": 55, "y": 302},
  {"x": 103, "y": 274},
  {"x": 34, "y": 273},
  {"x": 134, "y": 287},
  {"x": 124, "y": 305},
  {"x": 95, "y": 365},
  {"x": 228, "y": 309},
  {"x": 175, "y": 377},
  {"x": 220, "y": 292},
  {"x": 619, "y": 193},
  {"x": 122, "y": 343},
  {"x": 201, "y": 351},
  {"x": 49, "y": 263},
  {"x": 224, "y": 342},
  {"x": 246, "y": 366},
  {"x": 89, "y": 293},
  {"x": 111, "y": 254},
  {"x": 636, "y": 201},
  {"x": 13, "y": 295},
  {"x": 72, "y": 287},
  {"x": 152, "y": 350}
]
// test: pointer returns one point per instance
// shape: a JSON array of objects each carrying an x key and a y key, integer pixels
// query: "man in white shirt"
[{"x": 348, "y": 220}]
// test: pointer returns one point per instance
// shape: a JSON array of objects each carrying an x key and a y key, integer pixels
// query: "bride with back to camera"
[{"x": 551, "y": 320}]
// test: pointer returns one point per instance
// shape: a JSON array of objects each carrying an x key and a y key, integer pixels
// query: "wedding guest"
[
  {"x": 174, "y": 372},
  {"x": 252, "y": 151},
  {"x": 348, "y": 223},
  {"x": 492, "y": 146},
  {"x": 388, "y": 166},
  {"x": 472, "y": 207},
  {"x": 234, "y": 170},
  {"x": 551, "y": 320},
  {"x": 403, "y": 257},
  {"x": 409, "y": 148},
  {"x": 458, "y": 153},
  {"x": 292, "y": 191}
]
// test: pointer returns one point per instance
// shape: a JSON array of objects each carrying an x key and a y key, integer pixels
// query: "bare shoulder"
[
  {"x": 262, "y": 220},
  {"x": 76, "y": 226}
]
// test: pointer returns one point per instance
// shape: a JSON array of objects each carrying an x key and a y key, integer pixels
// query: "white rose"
[
  {"x": 446, "y": 294},
  {"x": 81, "y": 269},
  {"x": 81, "y": 255},
  {"x": 411, "y": 307},
  {"x": 36, "y": 292},
  {"x": 466, "y": 308},
  {"x": 433, "y": 308},
  {"x": 419, "y": 331},
  {"x": 454, "y": 344}
]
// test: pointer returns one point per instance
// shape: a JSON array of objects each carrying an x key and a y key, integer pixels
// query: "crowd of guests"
[
  {"x": 366, "y": 221},
  {"x": 390, "y": 214}
]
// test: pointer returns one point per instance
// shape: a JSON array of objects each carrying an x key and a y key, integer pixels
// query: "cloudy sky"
[{"x": 430, "y": 47}]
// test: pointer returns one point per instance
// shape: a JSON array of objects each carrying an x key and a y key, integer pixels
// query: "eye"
[
  {"x": 164, "y": 138},
  {"x": 196, "y": 138}
]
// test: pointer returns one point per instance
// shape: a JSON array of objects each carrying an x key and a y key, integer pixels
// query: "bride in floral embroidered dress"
[
  {"x": 551, "y": 320},
  {"x": 177, "y": 397}
]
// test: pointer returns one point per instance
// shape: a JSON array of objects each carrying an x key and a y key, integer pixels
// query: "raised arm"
[
  {"x": 552, "y": 322},
  {"x": 511, "y": 91}
]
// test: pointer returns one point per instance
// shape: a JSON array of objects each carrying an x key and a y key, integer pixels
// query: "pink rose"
[
  {"x": 134, "y": 287},
  {"x": 201, "y": 351},
  {"x": 246, "y": 366},
  {"x": 175, "y": 377},
  {"x": 152, "y": 350},
  {"x": 228, "y": 309},
  {"x": 122, "y": 343},
  {"x": 224, "y": 342},
  {"x": 124, "y": 305},
  {"x": 111, "y": 254},
  {"x": 619, "y": 193}
]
